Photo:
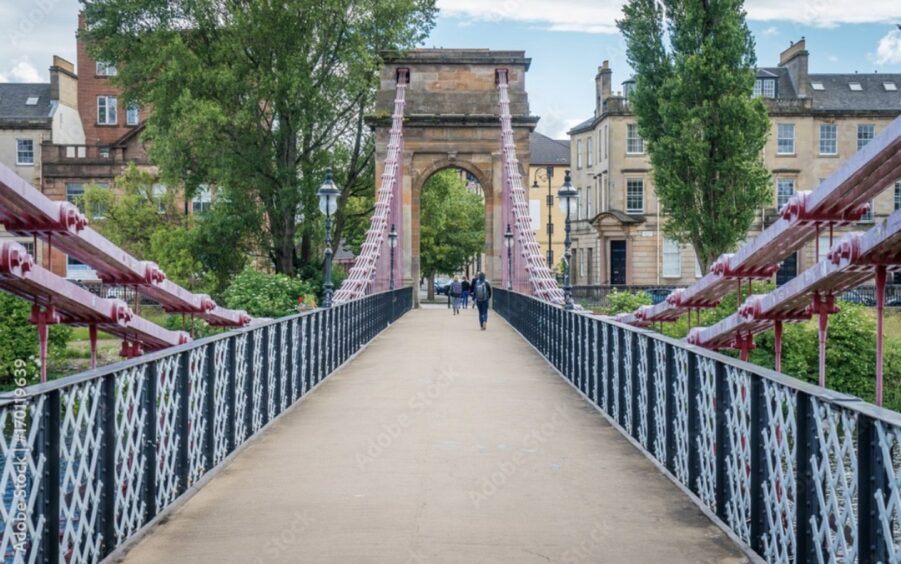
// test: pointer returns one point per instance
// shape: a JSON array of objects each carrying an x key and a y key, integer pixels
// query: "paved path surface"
[{"x": 439, "y": 443}]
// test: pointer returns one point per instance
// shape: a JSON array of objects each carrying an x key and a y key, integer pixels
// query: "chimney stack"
[
  {"x": 63, "y": 82},
  {"x": 794, "y": 59},
  {"x": 603, "y": 83}
]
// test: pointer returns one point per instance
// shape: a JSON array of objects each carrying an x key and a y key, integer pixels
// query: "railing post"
[
  {"x": 49, "y": 446},
  {"x": 248, "y": 385},
  {"x": 231, "y": 371},
  {"x": 651, "y": 386},
  {"x": 210, "y": 406},
  {"x": 872, "y": 483},
  {"x": 759, "y": 471},
  {"x": 808, "y": 448},
  {"x": 636, "y": 389},
  {"x": 723, "y": 444},
  {"x": 182, "y": 383},
  {"x": 107, "y": 468},
  {"x": 151, "y": 421},
  {"x": 620, "y": 335}
]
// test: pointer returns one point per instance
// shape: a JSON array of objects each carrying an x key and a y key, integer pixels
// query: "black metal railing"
[
  {"x": 90, "y": 459},
  {"x": 797, "y": 472}
]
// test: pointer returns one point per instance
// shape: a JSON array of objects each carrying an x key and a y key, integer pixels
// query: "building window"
[
  {"x": 865, "y": 134},
  {"x": 785, "y": 139},
  {"x": 158, "y": 192},
  {"x": 898, "y": 194},
  {"x": 868, "y": 217},
  {"x": 634, "y": 195},
  {"x": 634, "y": 142},
  {"x": 600, "y": 146},
  {"x": 589, "y": 202},
  {"x": 203, "y": 200},
  {"x": 785, "y": 189},
  {"x": 107, "y": 110},
  {"x": 627, "y": 89},
  {"x": 824, "y": 245},
  {"x": 817, "y": 85},
  {"x": 765, "y": 87},
  {"x": 103, "y": 152},
  {"x": 579, "y": 153},
  {"x": 606, "y": 142},
  {"x": 24, "y": 152},
  {"x": 828, "y": 139},
  {"x": 672, "y": 259},
  {"x": 855, "y": 86},
  {"x": 590, "y": 142},
  {"x": 75, "y": 194},
  {"x": 132, "y": 114},
  {"x": 106, "y": 69}
]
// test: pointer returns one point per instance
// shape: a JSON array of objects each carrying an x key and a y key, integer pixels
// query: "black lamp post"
[
  {"x": 392, "y": 244},
  {"x": 568, "y": 198},
  {"x": 508, "y": 242},
  {"x": 549, "y": 176},
  {"x": 328, "y": 205}
]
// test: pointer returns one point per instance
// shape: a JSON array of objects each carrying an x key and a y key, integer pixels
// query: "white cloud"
[
  {"x": 555, "y": 124},
  {"x": 889, "y": 49},
  {"x": 599, "y": 16},
  {"x": 771, "y": 31},
  {"x": 22, "y": 71}
]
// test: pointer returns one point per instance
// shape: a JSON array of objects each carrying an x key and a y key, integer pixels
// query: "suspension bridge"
[{"x": 378, "y": 431}]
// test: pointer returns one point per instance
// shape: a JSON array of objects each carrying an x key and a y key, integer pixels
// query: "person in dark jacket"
[
  {"x": 481, "y": 291},
  {"x": 466, "y": 288}
]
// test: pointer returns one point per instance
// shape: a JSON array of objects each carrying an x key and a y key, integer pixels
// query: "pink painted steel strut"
[
  {"x": 881, "y": 275},
  {"x": 533, "y": 266},
  {"x": 388, "y": 204}
]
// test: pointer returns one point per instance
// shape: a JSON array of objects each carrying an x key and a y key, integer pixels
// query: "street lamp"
[
  {"x": 568, "y": 198},
  {"x": 328, "y": 205},
  {"x": 508, "y": 242},
  {"x": 548, "y": 175},
  {"x": 392, "y": 244}
]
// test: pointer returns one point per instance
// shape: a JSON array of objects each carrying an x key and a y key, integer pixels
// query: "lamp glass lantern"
[
  {"x": 508, "y": 237},
  {"x": 392, "y": 238},
  {"x": 568, "y": 197},
  {"x": 328, "y": 195}
]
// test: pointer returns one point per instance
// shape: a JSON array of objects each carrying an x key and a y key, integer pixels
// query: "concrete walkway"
[{"x": 440, "y": 443}]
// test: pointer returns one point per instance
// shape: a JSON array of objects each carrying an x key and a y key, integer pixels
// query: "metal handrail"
[{"x": 794, "y": 471}]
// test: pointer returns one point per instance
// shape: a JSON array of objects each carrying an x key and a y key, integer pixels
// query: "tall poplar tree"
[{"x": 695, "y": 64}]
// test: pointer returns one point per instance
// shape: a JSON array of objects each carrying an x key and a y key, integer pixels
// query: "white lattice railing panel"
[
  {"x": 705, "y": 401},
  {"x": 197, "y": 419},
  {"x": 272, "y": 373},
  {"x": 256, "y": 414},
  {"x": 614, "y": 382},
  {"x": 365, "y": 266},
  {"x": 295, "y": 346},
  {"x": 660, "y": 400},
  {"x": 81, "y": 433},
  {"x": 168, "y": 399},
  {"x": 627, "y": 376},
  {"x": 18, "y": 440},
  {"x": 541, "y": 279},
  {"x": 889, "y": 438},
  {"x": 738, "y": 460},
  {"x": 220, "y": 399},
  {"x": 605, "y": 370},
  {"x": 780, "y": 490},
  {"x": 643, "y": 390},
  {"x": 131, "y": 420},
  {"x": 834, "y": 524},
  {"x": 241, "y": 379},
  {"x": 680, "y": 424}
]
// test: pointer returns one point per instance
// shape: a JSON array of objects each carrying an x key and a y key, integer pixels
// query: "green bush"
[
  {"x": 626, "y": 302},
  {"x": 267, "y": 295},
  {"x": 19, "y": 341}
]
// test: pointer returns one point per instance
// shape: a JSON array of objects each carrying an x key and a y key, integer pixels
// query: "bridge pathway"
[{"x": 439, "y": 443}]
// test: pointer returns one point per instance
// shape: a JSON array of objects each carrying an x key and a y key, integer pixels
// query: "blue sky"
[
  {"x": 564, "y": 62},
  {"x": 567, "y": 40}
]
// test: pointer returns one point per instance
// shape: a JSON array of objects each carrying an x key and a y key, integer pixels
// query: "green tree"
[
  {"x": 452, "y": 225},
  {"x": 19, "y": 341},
  {"x": 704, "y": 132},
  {"x": 254, "y": 96},
  {"x": 267, "y": 295}
]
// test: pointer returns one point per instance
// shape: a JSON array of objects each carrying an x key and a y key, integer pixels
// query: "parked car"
[
  {"x": 442, "y": 286},
  {"x": 658, "y": 295},
  {"x": 859, "y": 297}
]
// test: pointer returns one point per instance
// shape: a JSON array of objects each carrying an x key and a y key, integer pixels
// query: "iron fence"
[
  {"x": 798, "y": 473},
  {"x": 90, "y": 459}
]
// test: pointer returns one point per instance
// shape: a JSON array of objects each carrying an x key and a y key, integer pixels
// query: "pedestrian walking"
[
  {"x": 482, "y": 292},
  {"x": 466, "y": 288},
  {"x": 456, "y": 294}
]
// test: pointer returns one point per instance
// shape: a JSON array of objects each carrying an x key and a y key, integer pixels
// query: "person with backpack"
[
  {"x": 482, "y": 293},
  {"x": 456, "y": 294},
  {"x": 466, "y": 289}
]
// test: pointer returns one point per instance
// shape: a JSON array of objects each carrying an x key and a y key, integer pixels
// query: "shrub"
[
  {"x": 626, "y": 302},
  {"x": 19, "y": 340},
  {"x": 266, "y": 295}
]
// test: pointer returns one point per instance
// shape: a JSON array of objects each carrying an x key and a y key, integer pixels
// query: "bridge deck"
[{"x": 440, "y": 443}]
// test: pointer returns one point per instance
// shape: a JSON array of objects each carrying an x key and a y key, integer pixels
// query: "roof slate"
[
  {"x": 837, "y": 95},
  {"x": 546, "y": 151},
  {"x": 13, "y": 97}
]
